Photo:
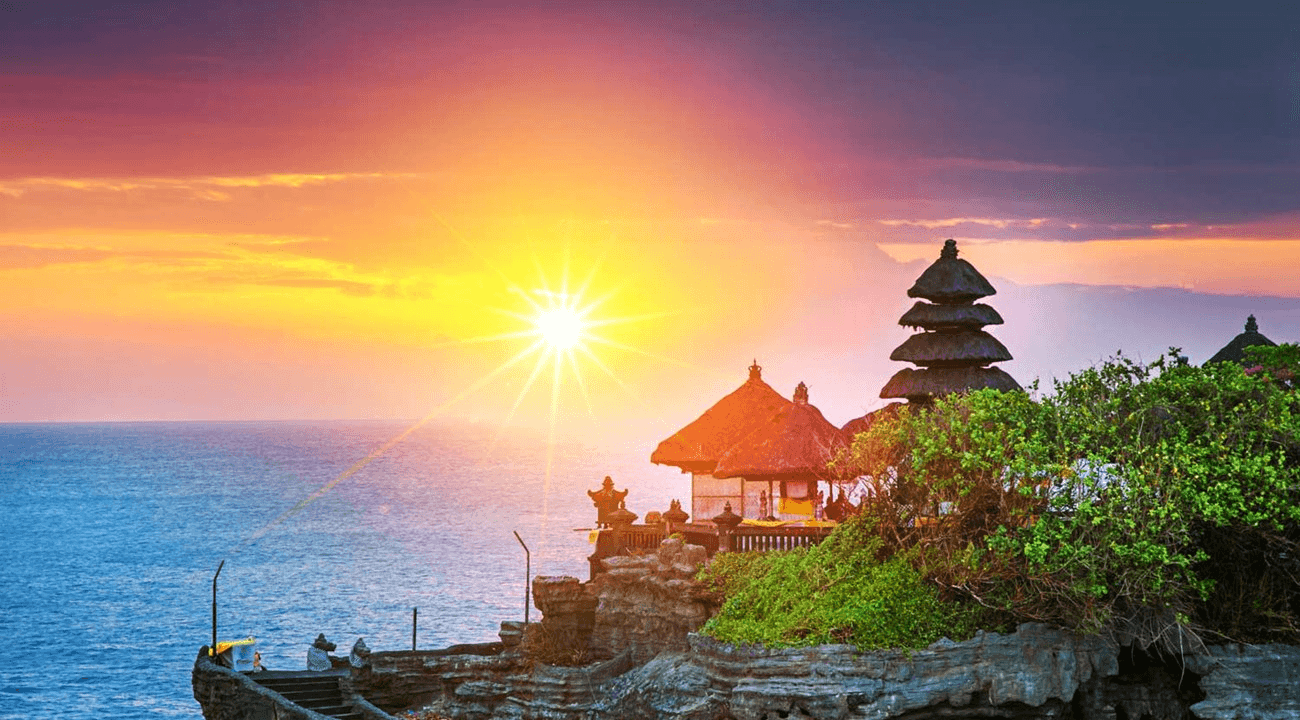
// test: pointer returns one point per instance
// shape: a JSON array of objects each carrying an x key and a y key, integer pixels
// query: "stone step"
[
  {"x": 320, "y": 694},
  {"x": 333, "y": 710}
]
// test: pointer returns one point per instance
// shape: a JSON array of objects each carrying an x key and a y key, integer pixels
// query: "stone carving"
[
  {"x": 360, "y": 654},
  {"x": 318, "y": 655},
  {"x": 606, "y": 500}
]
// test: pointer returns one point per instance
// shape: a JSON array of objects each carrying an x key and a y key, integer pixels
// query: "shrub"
[
  {"x": 841, "y": 591},
  {"x": 1158, "y": 490}
]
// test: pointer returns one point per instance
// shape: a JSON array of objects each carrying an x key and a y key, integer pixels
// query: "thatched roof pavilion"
[
  {"x": 697, "y": 447},
  {"x": 795, "y": 442},
  {"x": 779, "y": 464},
  {"x": 952, "y": 351},
  {"x": 1235, "y": 350}
]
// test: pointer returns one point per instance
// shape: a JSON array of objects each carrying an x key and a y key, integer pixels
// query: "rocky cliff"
[{"x": 637, "y": 622}]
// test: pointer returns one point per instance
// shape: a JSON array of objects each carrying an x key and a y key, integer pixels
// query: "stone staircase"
[{"x": 313, "y": 691}]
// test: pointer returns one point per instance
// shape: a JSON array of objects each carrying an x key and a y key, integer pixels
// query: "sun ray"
[
  {"x": 610, "y": 373},
  {"x": 515, "y": 335},
  {"x": 629, "y": 348},
  {"x": 577, "y": 376},
  {"x": 632, "y": 318},
  {"x": 523, "y": 392},
  {"x": 358, "y": 465}
]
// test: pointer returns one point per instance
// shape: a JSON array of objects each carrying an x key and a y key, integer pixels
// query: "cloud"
[
  {"x": 1000, "y": 223},
  {"x": 27, "y": 257},
  {"x": 1008, "y": 166},
  {"x": 348, "y": 287},
  {"x": 1215, "y": 265},
  {"x": 206, "y": 187}
]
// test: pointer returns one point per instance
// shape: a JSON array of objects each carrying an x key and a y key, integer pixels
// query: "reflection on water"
[{"x": 113, "y": 533}]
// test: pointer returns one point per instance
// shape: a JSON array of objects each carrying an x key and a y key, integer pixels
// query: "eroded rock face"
[
  {"x": 1248, "y": 682},
  {"x": 566, "y": 604},
  {"x": 649, "y": 603},
  {"x": 642, "y": 613},
  {"x": 1032, "y": 673}
]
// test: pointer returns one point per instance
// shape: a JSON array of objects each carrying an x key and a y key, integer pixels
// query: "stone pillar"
[{"x": 726, "y": 522}]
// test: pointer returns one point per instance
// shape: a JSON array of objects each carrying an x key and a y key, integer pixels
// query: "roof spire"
[
  {"x": 949, "y": 251},
  {"x": 755, "y": 371},
  {"x": 801, "y": 394},
  {"x": 1251, "y": 325}
]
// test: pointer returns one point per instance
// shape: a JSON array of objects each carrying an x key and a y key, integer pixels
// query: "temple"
[
  {"x": 697, "y": 447},
  {"x": 1235, "y": 350},
  {"x": 953, "y": 352},
  {"x": 780, "y": 463}
]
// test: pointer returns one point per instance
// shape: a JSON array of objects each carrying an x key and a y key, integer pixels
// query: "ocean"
[{"x": 112, "y": 534}]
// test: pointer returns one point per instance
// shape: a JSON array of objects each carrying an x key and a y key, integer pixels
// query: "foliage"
[
  {"x": 840, "y": 591},
  {"x": 1159, "y": 489},
  {"x": 1280, "y": 364}
]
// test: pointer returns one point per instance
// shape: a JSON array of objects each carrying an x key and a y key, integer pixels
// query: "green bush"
[
  {"x": 841, "y": 591},
  {"x": 1161, "y": 496},
  {"x": 1133, "y": 490}
]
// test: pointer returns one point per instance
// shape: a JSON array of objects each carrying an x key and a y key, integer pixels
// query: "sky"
[{"x": 309, "y": 210}]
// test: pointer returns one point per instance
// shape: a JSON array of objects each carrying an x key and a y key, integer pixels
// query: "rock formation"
[{"x": 640, "y": 617}]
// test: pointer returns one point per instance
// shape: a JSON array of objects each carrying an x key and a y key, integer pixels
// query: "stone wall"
[
  {"x": 395, "y": 681},
  {"x": 649, "y": 603}
]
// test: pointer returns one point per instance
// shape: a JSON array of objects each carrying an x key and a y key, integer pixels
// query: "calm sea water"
[{"x": 112, "y": 533}]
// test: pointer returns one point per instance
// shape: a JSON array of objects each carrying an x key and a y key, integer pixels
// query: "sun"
[{"x": 561, "y": 328}]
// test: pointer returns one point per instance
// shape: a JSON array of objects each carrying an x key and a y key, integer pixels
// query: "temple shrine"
[
  {"x": 1235, "y": 350},
  {"x": 697, "y": 447},
  {"x": 765, "y": 457},
  {"x": 952, "y": 350},
  {"x": 780, "y": 463}
]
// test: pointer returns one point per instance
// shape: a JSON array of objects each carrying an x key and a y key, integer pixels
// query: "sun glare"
[{"x": 562, "y": 327}]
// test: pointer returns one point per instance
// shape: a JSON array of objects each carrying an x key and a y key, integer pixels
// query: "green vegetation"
[
  {"x": 841, "y": 591},
  {"x": 1161, "y": 497}
]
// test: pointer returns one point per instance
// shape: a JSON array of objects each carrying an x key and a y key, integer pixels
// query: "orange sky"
[{"x": 246, "y": 216}]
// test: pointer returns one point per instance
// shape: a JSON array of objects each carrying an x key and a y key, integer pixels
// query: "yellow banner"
[{"x": 796, "y": 507}]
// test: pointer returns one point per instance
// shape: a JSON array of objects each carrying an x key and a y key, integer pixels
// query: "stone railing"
[{"x": 634, "y": 539}]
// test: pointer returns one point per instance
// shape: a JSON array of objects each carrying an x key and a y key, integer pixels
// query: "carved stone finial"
[
  {"x": 727, "y": 518},
  {"x": 801, "y": 394},
  {"x": 949, "y": 251},
  {"x": 675, "y": 512},
  {"x": 360, "y": 654},
  {"x": 1251, "y": 325},
  {"x": 755, "y": 371},
  {"x": 622, "y": 517}
]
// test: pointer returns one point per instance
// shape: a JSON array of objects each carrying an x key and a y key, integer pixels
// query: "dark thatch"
[
  {"x": 864, "y": 423},
  {"x": 951, "y": 280},
  {"x": 796, "y": 441},
  {"x": 934, "y": 317},
  {"x": 927, "y": 383},
  {"x": 950, "y": 349},
  {"x": 697, "y": 447},
  {"x": 1235, "y": 351}
]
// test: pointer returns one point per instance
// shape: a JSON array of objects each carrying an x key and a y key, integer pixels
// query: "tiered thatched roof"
[
  {"x": 795, "y": 442},
  {"x": 697, "y": 447},
  {"x": 952, "y": 350},
  {"x": 1235, "y": 351}
]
